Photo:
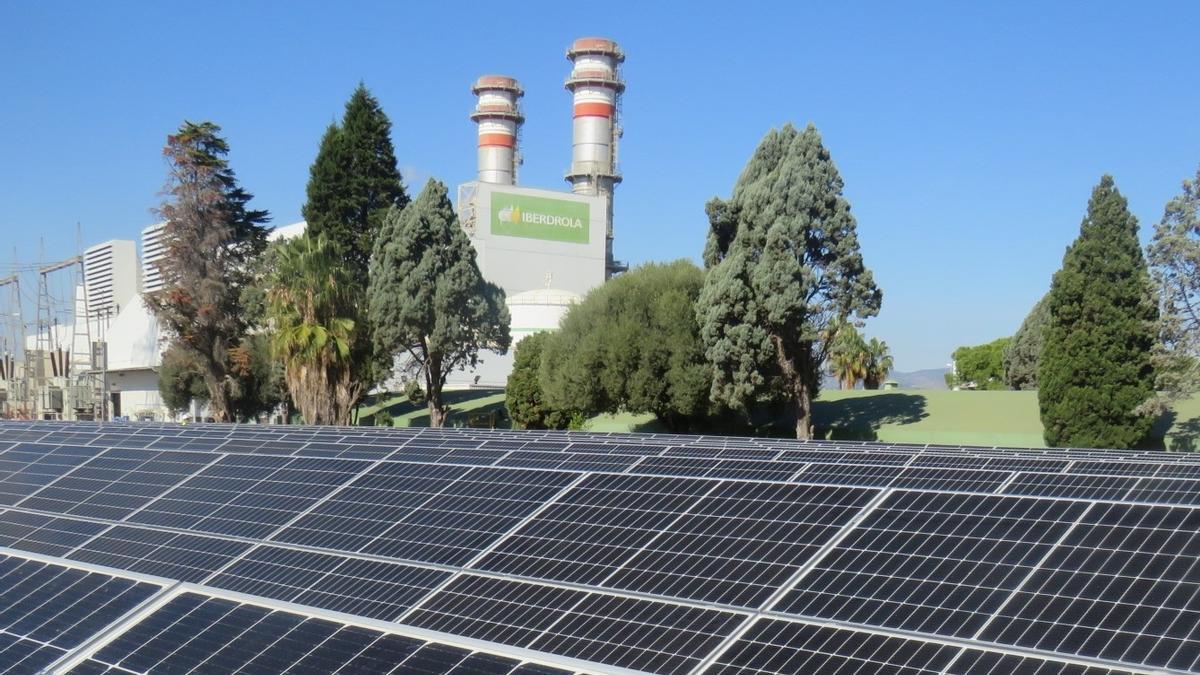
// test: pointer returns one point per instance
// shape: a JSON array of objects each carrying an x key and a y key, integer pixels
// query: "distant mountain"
[{"x": 931, "y": 378}]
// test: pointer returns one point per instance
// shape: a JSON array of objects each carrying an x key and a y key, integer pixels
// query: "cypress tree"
[
  {"x": 428, "y": 301},
  {"x": 354, "y": 181},
  {"x": 352, "y": 184},
  {"x": 1095, "y": 368},
  {"x": 789, "y": 274}
]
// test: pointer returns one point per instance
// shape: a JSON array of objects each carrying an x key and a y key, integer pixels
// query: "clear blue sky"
[{"x": 969, "y": 134}]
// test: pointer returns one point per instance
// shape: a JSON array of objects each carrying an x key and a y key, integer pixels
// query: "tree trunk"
[
  {"x": 803, "y": 412},
  {"x": 433, "y": 389}
]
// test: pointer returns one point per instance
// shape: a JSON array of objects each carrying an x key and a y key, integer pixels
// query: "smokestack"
[
  {"x": 499, "y": 119},
  {"x": 596, "y": 85}
]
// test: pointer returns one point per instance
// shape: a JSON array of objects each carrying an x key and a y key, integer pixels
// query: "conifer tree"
[
  {"x": 1095, "y": 369},
  {"x": 1174, "y": 257},
  {"x": 1023, "y": 352},
  {"x": 427, "y": 299},
  {"x": 352, "y": 184},
  {"x": 211, "y": 239},
  {"x": 791, "y": 272}
]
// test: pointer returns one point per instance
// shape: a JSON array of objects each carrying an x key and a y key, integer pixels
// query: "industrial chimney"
[
  {"x": 596, "y": 84},
  {"x": 499, "y": 119}
]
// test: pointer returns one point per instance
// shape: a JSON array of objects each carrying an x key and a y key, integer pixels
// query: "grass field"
[
  {"x": 952, "y": 417},
  {"x": 899, "y": 416}
]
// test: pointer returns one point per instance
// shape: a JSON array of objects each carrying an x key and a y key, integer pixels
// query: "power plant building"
[{"x": 545, "y": 248}]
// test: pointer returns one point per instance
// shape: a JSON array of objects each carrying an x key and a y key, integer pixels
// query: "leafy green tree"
[
  {"x": 981, "y": 366},
  {"x": 633, "y": 345},
  {"x": 524, "y": 397},
  {"x": 180, "y": 381},
  {"x": 352, "y": 184},
  {"x": 256, "y": 388},
  {"x": 879, "y": 363},
  {"x": 428, "y": 302},
  {"x": 1096, "y": 369},
  {"x": 312, "y": 304},
  {"x": 1174, "y": 257},
  {"x": 1021, "y": 356},
  {"x": 792, "y": 269},
  {"x": 210, "y": 239}
]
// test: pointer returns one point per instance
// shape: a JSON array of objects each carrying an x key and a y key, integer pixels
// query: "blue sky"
[{"x": 969, "y": 135}]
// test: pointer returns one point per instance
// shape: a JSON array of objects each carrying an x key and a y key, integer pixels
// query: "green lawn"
[
  {"x": 990, "y": 418},
  {"x": 987, "y": 418}
]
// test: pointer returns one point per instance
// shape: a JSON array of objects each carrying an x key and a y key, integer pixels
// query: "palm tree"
[
  {"x": 313, "y": 310},
  {"x": 848, "y": 356},
  {"x": 879, "y": 363}
]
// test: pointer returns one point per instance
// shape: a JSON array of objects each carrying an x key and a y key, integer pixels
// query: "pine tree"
[
  {"x": 1095, "y": 369},
  {"x": 211, "y": 238},
  {"x": 352, "y": 184},
  {"x": 790, "y": 273},
  {"x": 427, "y": 299}
]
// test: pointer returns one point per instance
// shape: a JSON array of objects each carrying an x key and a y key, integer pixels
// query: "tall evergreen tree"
[
  {"x": 354, "y": 181},
  {"x": 352, "y": 184},
  {"x": 790, "y": 273},
  {"x": 1095, "y": 370},
  {"x": 211, "y": 239},
  {"x": 427, "y": 299}
]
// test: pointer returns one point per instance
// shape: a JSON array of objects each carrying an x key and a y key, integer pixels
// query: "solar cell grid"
[
  {"x": 586, "y": 534},
  {"x": 172, "y": 555},
  {"x": 624, "y": 632},
  {"x": 232, "y": 636},
  {"x": 931, "y": 562},
  {"x": 1070, "y": 486},
  {"x": 27, "y": 467},
  {"x": 375, "y": 589},
  {"x": 47, "y": 610},
  {"x": 247, "y": 496},
  {"x": 116, "y": 482},
  {"x": 39, "y": 533},
  {"x": 441, "y": 514},
  {"x": 1123, "y": 586}
]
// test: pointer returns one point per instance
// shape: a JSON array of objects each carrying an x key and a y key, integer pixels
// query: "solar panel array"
[{"x": 218, "y": 548}]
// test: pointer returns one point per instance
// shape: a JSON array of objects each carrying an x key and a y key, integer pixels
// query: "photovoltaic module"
[{"x": 146, "y": 548}]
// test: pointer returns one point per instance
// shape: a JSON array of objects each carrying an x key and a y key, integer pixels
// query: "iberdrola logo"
[
  {"x": 509, "y": 214},
  {"x": 513, "y": 214}
]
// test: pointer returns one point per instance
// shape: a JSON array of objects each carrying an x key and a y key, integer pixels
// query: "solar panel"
[
  {"x": 440, "y": 514},
  {"x": 195, "y": 633},
  {"x": 173, "y": 555},
  {"x": 47, "y": 610},
  {"x": 658, "y": 553},
  {"x": 1124, "y": 585},
  {"x": 247, "y": 496},
  {"x": 932, "y": 562},
  {"x": 40, "y": 533},
  {"x": 370, "y": 588},
  {"x": 116, "y": 482},
  {"x": 625, "y": 632}
]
